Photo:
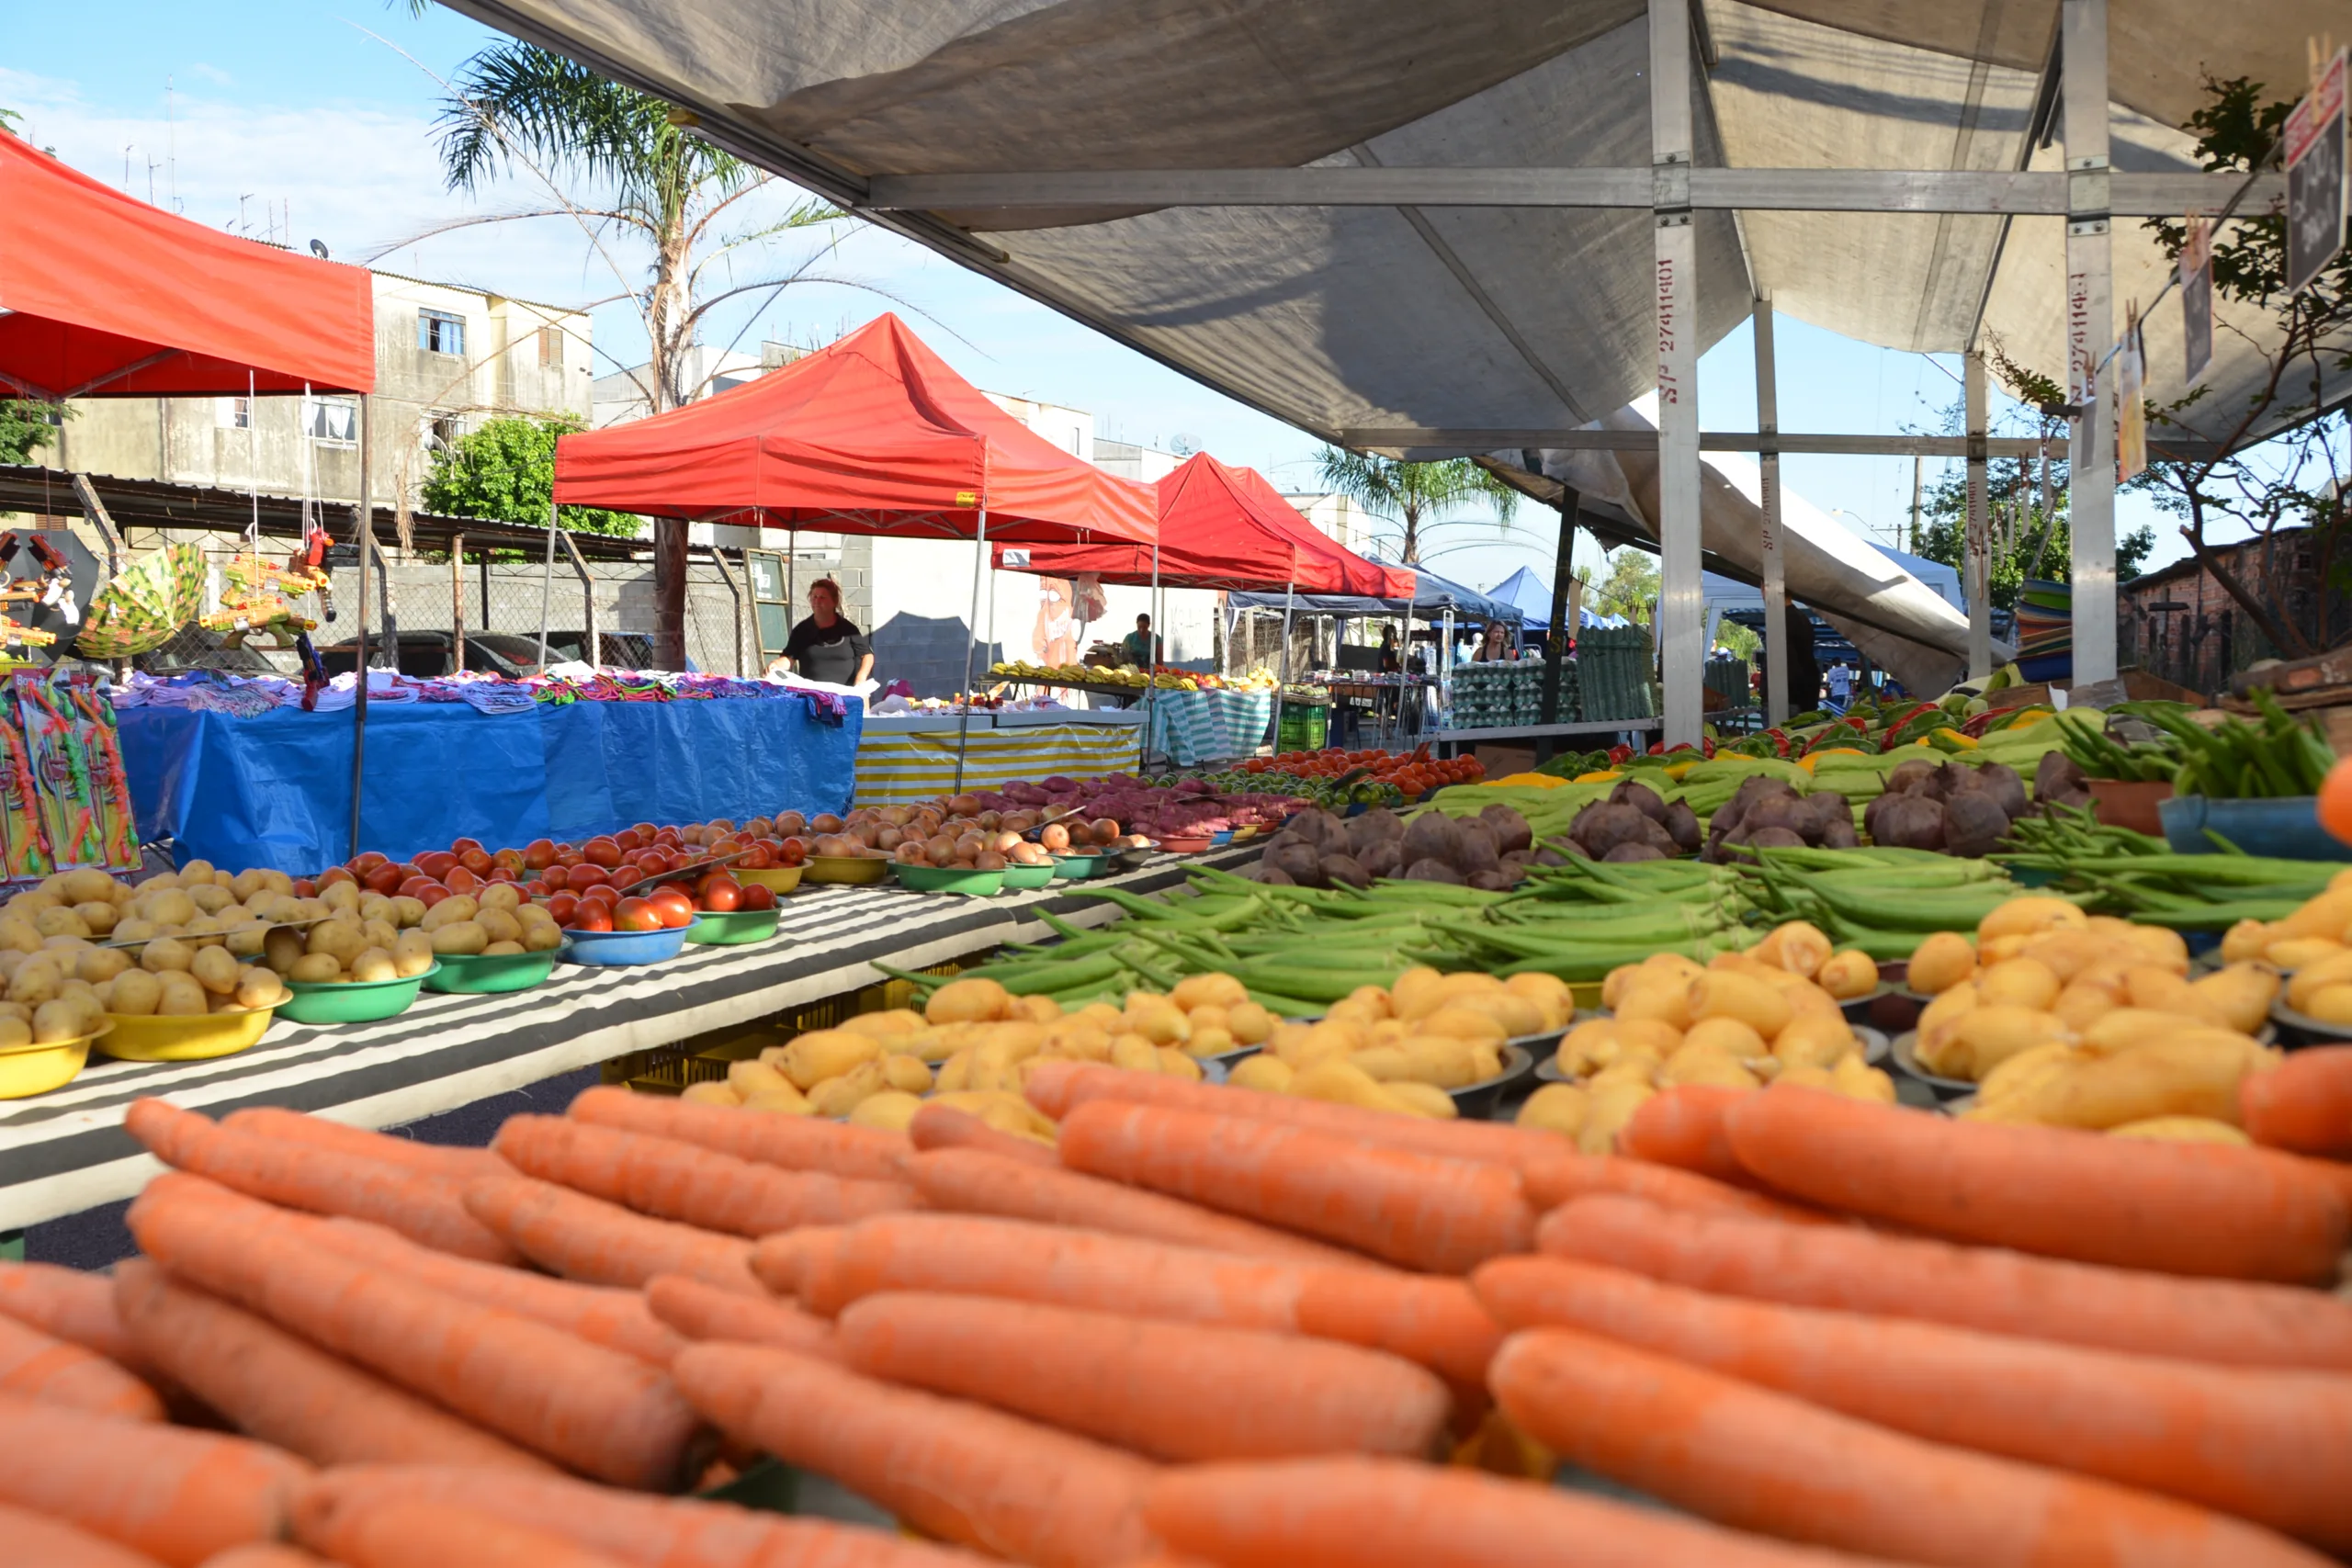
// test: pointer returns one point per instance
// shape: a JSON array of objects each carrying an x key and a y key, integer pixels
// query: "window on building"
[
  {"x": 437, "y": 331},
  {"x": 234, "y": 413},
  {"x": 552, "y": 346},
  {"x": 442, "y": 432},
  {"x": 333, "y": 420}
]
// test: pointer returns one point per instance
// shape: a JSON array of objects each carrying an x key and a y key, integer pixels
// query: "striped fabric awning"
[{"x": 895, "y": 769}]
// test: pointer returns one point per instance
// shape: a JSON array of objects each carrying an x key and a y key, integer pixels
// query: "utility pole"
[{"x": 1915, "y": 461}]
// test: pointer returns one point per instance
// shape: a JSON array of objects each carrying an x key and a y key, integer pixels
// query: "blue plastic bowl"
[
  {"x": 2288, "y": 828},
  {"x": 624, "y": 947}
]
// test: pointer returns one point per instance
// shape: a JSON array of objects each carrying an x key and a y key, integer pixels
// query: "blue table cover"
[{"x": 276, "y": 791}]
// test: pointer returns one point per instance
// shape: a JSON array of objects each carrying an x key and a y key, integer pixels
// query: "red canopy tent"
[
  {"x": 103, "y": 296},
  {"x": 872, "y": 434},
  {"x": 1223, "y": 528}
]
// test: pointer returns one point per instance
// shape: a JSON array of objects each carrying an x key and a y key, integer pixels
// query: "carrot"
[
  {"x": 972, "y": 1181},
  {"x": 957, "y": 1471},
  {"x": 273, "y": 1386},
  {"x": 686, "y": 1183},
  {"x": 788, "y": 1263},
  {"x": 2182, "y": 1208},
  {"x": 2270, "y": 1445},
  {"x": 1552, "y": 1182},
  {"x": 1851, "y": 1270},
  {"x": 704, "y": 1311},
  {"x": 397, "y": 1534},
  {"x": 324, "y": 1181},
  {"x": 34, "y": 1365},
  {"x": 796, "y": 1143},
  {"x": 653, "y": 1533},
  {"x": 265, "y": 1554},
  {"x": 1058, "y": 1087},
  {"x": 2304, "y": 1105},
  {"x": 1427, "y": 1213},
  {"x": 1756, "y": 1460},
  {"x": 944, "y": 1127},
  {"x": 1359, "y": 1512},
  {"x": 1439, "y": 1322},
  {"x": 1173, "y": 1390},
  {"x": 177, "y": 1494},
  {"x": 35, "y": 1538},
  {"x": 966, "y": 1255},
  {"x": 586, "y": 1238},
  {"x": 68, "y": 1304},
  {"x": 596, "y": 1410},
  {"x": 1684, "y": 1126},
  {"x": 425, "y": 1160}
]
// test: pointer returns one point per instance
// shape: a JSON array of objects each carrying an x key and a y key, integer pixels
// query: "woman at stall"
[
  {"x": 827, "y": 647},
  {"x": 1497, "y": 645}
]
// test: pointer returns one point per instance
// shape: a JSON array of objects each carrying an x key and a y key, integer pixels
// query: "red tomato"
[
  {"x": 435, "y": 863},
  {"x": 601, "y": 850},
  {"x": 460, "y": 846},
  {"x": 607, "y": 894},
  {"x": 793, "y": 852},
  {"x": 721, "y": 895},
  {"x": 414, "y": 887},
  {"x": 759, "y": 857},
  {"x": 670, "y": 837},
  {"x": 430, "y": 894},
  {"x": 504, "y": 873},
  {"x": 758, "y": 895},
  {"x": 556, "y": 876},
  {"x": 630, "y": 839},
  {"x": 383, "y": 878},
  {"x": 644, "y": 830},
  {"x": 509, "y": 860},
  {"x": 569, "y": 857},
  {"x": 723, "y": 845},
  {"x": 477, "y": 860},
  {"x": 562, "y": 906},
  {"x": 305, "y": 888},
  {"x": 580, "y": 878},
  {"x": 636, "y": 915},
  {"x": 590, "y": 916},
  {"x": 335, "y": 873},
  {"x": 677, "y": 909},
  {"x": 360, "y": 863},
  {"x": 652, "y": 862},
  {"x": 539, "y": 854},
  {"x": 537, "y": 891},
  {"x": 462, "y": 879}
]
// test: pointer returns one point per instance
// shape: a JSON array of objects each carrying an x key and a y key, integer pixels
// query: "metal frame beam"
[
  {"x": 1680, "y": 623},
  {"x": 1976, "y": 576},
  {"x": 2090, "y": 331},
  {"x": 1775, "y": 566},
  {"x": 1498, "y": 440},
  {"x": 2015, "y": 192}
]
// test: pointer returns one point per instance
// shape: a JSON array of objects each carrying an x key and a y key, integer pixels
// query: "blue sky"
[{"x": 319, "y": 115}]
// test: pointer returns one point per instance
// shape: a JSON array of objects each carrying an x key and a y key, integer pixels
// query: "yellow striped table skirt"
[{"x": 895, "y": 769}]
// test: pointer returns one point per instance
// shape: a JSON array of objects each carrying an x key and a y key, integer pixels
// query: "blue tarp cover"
[
  {"x": 276, "y": 791},
  {"x": 1432, "y": 596}
]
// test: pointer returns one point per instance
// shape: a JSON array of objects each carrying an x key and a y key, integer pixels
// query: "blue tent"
[
  {"x": 1433, "y": 597},
  {"x": 1533, "y": 596}
]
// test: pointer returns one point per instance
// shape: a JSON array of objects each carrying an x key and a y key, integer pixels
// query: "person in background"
[
  {"x": 827, "y": 645},
  {"x": 1841, "y": 685},
  {"x": 1389, "y": 664},
  {"x": 1141, "y": 649},
  {"x": 1495, "y": 646}
]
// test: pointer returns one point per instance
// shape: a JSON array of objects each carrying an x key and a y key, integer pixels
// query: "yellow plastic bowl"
[
  {"x": 37, "y": 1069},
  {"x": 189, "y": 1038},
  {"x": 846, "y": 868},
  {"x": 781, "y": 878}
]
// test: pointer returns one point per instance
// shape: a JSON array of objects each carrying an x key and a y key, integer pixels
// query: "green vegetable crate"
[{"x": 1303, "y": 727}]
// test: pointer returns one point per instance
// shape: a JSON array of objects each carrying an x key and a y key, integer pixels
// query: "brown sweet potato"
[
  {"x": 1343, "y": 871},
  {"x": 1474, "y": 847},
  {"x": 1511, "y": 829},
  {"x": 1432, "y": 870}
]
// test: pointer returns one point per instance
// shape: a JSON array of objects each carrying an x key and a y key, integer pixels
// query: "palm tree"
[
  {"x": 1411, "y": 494},
  {"x": 518, "y": 107}
]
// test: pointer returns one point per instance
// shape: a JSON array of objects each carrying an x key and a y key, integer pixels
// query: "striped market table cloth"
[
  {"x": 1195, "y": 727},
  {"x": 896, "y": 769}
]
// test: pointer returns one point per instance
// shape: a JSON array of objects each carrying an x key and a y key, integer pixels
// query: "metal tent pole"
[
  {"x": 547, "y": 590},
  {"x": 1282, "y": 672},
  {"x": 1151, "y": 667},
  {"x": 1679, "y": 599},
  {"x": 1776, "y": 572},
  {"x": 1555, "y": 656},
  {"x": 1976, "y": 584},
  {"x": 963, "y": 718},
  {"x": 2090, "y": 330},
  {"x": 364, "y": 535}
]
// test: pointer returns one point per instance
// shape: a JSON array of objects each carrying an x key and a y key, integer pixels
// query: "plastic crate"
[
  {"x": 668, "y": 1069},
  {"x": 1303, "y": 729}
]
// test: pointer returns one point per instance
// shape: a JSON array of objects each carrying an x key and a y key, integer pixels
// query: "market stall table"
[
  {"x": 275, "y": 790},
  {"x": 1199, "y": 726},
  {"x": 66, "y": 1150},
  {"x": 1453, "y": 742},
  {"x": 913, "y": 756}
]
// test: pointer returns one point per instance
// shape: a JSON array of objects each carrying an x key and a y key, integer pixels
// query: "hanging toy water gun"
[
  {"x": 314, "y": 670},
  {"x": 57, "y": 580},
  {"x": 313, "y": 559}
]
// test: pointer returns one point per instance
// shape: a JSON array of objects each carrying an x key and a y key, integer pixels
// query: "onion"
[
  {"x": 988, "y": 860},
  {"x": 1105, "y": 830},
  {"x": 911, "y": 851}
]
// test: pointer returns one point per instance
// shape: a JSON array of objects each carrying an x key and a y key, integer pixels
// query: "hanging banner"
[
  {"x": 2196, "y": 298},
  {"x": 2131, "y": 401},
  {"x": 2315, "y": 177}
]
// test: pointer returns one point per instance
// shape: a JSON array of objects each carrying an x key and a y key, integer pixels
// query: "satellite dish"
[
  {"x": 1184, "y": 445},
  {"x": 319, "y": 249}
]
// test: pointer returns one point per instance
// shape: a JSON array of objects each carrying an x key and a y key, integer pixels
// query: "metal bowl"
[
  {"x": 1905, "y": 1052},
  {"x": 1478, "y": 1102}
]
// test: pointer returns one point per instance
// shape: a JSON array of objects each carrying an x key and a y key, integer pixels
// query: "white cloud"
[{"x": 212, "y": 74}]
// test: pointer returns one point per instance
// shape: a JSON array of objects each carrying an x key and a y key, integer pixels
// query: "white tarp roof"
[{"x": 1345, "y": 320}]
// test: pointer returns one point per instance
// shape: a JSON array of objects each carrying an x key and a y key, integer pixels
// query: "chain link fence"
[{"x": 424, "y": 601}]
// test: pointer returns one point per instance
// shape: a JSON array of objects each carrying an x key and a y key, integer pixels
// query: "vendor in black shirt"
[{"x": 827, "y": 647}]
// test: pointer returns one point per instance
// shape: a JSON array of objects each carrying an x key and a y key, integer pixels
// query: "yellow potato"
[
  {"x": 1550, "y": 994},
  {"x": 1662, "y": 997},
  {"x": 1459, "y": 1020},
  {"x": 259, "y": 987},
  {"x": 2029, "y": 915},
  {"x": 1983, "y": 1037},
  {"x": 100, "y": 917},
  {"x": 1423, "y": 1100},
  {"x": 1815, "y": 1041},
  {"x": 1077, "y": 1042},
  {"x": 459, "y": 937},
  {"x": 455, "y": 910},
  {"x": 1269, "y": 1075},
  {"x": 1556, "y": 1108},
  {"x": 342, "y": 897},
  {"x": 2241, "y": 994},
  {"x": 882, "y": 1025},
  {"x": 1703, "y": 1065},
  {"x": 215, "y": 969},
  {"x": 2160, "y": 991},
  {"x": 890, "y": 1111},
  {"x": 1159, "y": 1021},
  {"x": 504, "y": 949},
  {"x": 1005, "y": 1110},
  {"x": 2182, "y": 1130},
  {"x": 1135, "y": 1052},
  {"x": 788, "y": 1102},
  {"x": 2245, "y": 940},
  {"x": 1209, "y": 1040},
  {"x": 498, "y": 925},
  {"x": 1857, "y": 1079},
  {"x": 2019, "y": 982},
  {"x": 967, "y": 1001},
  {"x": 1208, "y": 990},
  {"x": 1941, "y": 961},
  {"x": 338, "y": 940},
  {"x": 712, "y": 1093},
  {"x": 412, "y": 954},
  {"x": 2024, "y": 1073},
  {"x": 541, "y": 938},
  {"x": 2192, "y": 1073},
  {"x": 169, "y": 906},
  {"x": 2325, "y": 915},
  {"x": 501, "y": 895},
  {"x": 2293, "y": 953},
  {"x": 135, "y": 993},
  {"x": 14, "y": 1031},
  {"x": 1796, "y": 946},
  {"x": 1385, "y": 1064},
  {"x": 1342, "y": 1084},
  {"x": 1848, "y": 975},
  {"x": 1724, "y": 993},
  {"x": 100, "y": 964},
  {"x": 374, "y": 964},
  {"x": 165, "y": 952},
  {"x": 1607, "y": 1108},
  {"x": 182, "y": 998},
  {"x": 317, "y": 968},
  {"x": 197, "y": 873},
  {"x": 86, "y": 885},
  {"x": 1034, "y": 1009},
  {"x": 1102, "y": 1016},
  {"x": 58, "y": 1019},
  {"x": 823, "y": 1053},
  {"x": 408, "y": 912},
  {"x": 280, "y": 947},
  {"x": 1449, "y": 1061},
  {"x": 754, "y": 1077},
  {"x": 909, "y": 1074},
  {"x": 1729, "y": 1035},
  {"x": 529, "y": 914},
  {"x": 840, "y": 1096},
  {"x": 211, "y": 897},
  {"x": 1175, "y": 1064},
  {"x": 36, "y": 980},
  {"x": 1250, "y": 1023},
  {"x": 19, "y": 936},
  {"x": 1357, "y": 1010},
  {"x": 2330, "y": 1004}
]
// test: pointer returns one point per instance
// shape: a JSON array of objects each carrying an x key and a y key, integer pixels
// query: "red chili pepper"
[
  {"x": 1619, "y": 753},
  {"x": 1707, "y": 745},
  {"x": 1658, "y": 747}
]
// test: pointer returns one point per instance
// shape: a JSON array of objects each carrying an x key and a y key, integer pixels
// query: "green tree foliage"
[
  {"x": 1413, "y": 495},
  {"x": 1630, "y": 588},
  {"x": 25, "y": 428},
  {"x": 505, "y": 470},
  {"x": 2025, "y": 542}
]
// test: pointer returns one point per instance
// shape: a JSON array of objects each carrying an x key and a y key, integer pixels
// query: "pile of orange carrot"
[{"x": 1210, "y": 1327}]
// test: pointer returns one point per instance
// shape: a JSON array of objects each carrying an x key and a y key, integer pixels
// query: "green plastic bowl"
[
  {"x": 475, "y": 974},
  {"x": 948, "y": 879},
  {"x": 1028, "y": 877},
  {"x": 328, "y": 1001},
  {"x": 714, "y": 929},
  {"x": 1077, "y": 868}
]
